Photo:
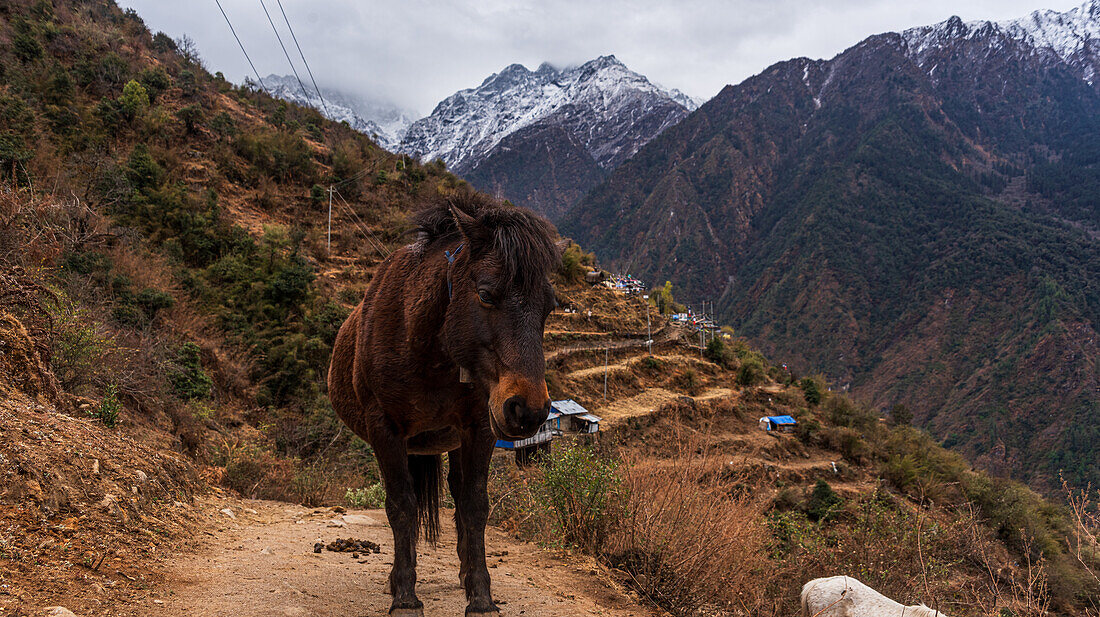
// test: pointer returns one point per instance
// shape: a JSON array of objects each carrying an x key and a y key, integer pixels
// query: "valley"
[{"x": 170, "y": 292}]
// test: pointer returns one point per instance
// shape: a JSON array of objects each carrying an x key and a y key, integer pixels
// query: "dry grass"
[{"x": 690, "y": 539}]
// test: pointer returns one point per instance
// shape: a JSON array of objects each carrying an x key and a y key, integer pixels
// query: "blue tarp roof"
[{"x": 781, "y": 419}]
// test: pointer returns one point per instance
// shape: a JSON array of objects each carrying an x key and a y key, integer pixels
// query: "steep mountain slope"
[
  {"x": 918, "y": 217},
  {"x": 168, "y": 298},
  {"x": 383, "y": 121},
  {"x": 542, "y": 138}
]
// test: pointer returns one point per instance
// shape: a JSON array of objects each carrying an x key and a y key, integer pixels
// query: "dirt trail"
[
  {"x": 262, "y": 564},
  {"x": 647, "y": 402},
  {"x": 626, "y": 363}
]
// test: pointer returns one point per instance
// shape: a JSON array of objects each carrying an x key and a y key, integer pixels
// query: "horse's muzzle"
[{"x": 521, "y": 420}]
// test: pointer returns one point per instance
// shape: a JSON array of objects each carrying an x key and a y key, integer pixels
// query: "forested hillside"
[
  {"x": 916, "y": 217},
  {"x": 168, "y": 300},
  {"x": 180, "y": 224}
]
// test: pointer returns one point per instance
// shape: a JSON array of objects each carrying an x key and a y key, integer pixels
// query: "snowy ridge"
[
  {"x": 612, "y": 110},
  {"x": 386, "y": 122},
  {"x": 1072, "y": 36}
]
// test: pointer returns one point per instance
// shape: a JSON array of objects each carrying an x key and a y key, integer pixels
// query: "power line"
[
  {"x": 353, "y": 178},
  {"x": 375, "y": 241},
  {"x": 280, "y": 39},
  {"x": 304, "y": 61},
  {"x": 257, "y": 73}
]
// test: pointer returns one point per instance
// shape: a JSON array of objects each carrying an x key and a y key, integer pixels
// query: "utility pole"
[
  {"x": 648, "y": 332},
  {"x": 328, "y": 246}
]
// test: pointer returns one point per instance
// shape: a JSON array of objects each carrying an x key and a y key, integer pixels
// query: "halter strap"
[{"x": 450, "y": 266}]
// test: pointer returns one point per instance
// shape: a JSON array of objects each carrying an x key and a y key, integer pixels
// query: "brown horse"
[{"x": 444, "y": 354}]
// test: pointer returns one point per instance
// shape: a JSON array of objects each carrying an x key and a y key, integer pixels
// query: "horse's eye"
[{"x": 485, "y": 297}]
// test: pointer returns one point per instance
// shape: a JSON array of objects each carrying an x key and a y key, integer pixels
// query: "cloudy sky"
[{"x": 416, "y": 52}]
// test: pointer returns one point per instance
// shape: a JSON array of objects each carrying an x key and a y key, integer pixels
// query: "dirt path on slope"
[
  {"x": 626, "y": 363},
  {"x": 647, "y": 402},
  {"x": 262, "y": 564}
]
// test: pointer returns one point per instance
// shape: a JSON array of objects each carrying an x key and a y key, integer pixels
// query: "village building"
[
  {"x": 783, "y": 424},
  {"x": 566, "y": 416}
]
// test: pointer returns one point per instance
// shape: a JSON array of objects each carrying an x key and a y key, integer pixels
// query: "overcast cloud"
[{"x": 416, "y": 52}]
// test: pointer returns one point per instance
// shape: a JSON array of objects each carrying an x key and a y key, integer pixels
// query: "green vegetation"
[
  {"x": 719, "y": 353},
  {"x": 751, "y": 372},
  {"x": 373, "y": 496},
  {"x": 188, "y": 379},
  {"x": 823, "y": 503},
  {"x": 178, "y": 179},
  {"x": 109, "y": 408},
  {"x": 579, "y": 489},
  {"x": 575, "y": 263},
  {"x": 811, "y": 390}
]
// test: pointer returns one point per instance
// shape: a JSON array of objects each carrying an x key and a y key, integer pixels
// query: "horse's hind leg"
[
  {"x": 401, "y": 510},
  {"x": 472, "y": 510}
]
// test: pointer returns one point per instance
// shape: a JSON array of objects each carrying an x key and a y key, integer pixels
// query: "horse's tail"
[{"x": 427, "y": 473}]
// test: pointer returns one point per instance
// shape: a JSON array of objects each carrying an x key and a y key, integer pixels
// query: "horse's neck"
[
  {"x": 920, "y": 610},
  {"x": 426, "y": 307}
]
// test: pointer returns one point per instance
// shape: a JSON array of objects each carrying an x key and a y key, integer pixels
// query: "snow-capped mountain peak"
[
  {"x": 585, "y": 99},
  {"x": 1073, "y": 36}
]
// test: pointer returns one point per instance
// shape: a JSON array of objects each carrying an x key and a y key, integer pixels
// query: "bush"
[
  {"x": 109, "y": 408},
  {"x": 155, "y": 81},
  {"x": 575, "y": 263},
  {"x": 751, "y": 372},
  {"x": 900, "y": 415},
  {"x": 188, "y": 379},
  {"x": 26, "y": 47},
  {"x": 823, "y": 503},
  {"x": 138, "y": 309},
  {"x": 691, "y": 544},
  {"x": 79, "y": 352},
  {"x": 278, "y": 154},
  {"x": 842, "y": 412},
  {"x": 719, "y": 353},
  {"x": 134, "y": 100},
  {"x": 811, "y": 391},
  {"x": 372, "y": 497},
  {"x": 580, "y": 490},
  {"x": 191, "y": 116}
]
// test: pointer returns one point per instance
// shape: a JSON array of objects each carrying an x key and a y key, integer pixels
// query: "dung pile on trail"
[{"x": 349, "y": 545}]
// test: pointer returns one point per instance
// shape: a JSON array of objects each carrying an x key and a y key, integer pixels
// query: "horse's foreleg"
[
  {"x": 472, "y": 509},
  {"x": 401, "y": 511},
  {"x": 454, "y": 481}
]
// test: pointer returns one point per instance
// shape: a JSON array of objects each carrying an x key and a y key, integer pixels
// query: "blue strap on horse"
[{"x": 450, "y": 266}]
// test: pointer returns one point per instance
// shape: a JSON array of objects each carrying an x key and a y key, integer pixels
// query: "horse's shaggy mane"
[{"x": 522, "y": 241}]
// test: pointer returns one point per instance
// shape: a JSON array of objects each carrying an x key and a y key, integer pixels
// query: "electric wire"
[
  {"x": 231, "y": 29},
  {"x": 375, "y": 241},
  {"x": 285, "y": 53},
  {"x": 304, "y": 61}
]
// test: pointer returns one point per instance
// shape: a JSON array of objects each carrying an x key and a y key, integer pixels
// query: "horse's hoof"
[
  {"x": 406, "y": 612},
  {"x": 493, "y": 613}
]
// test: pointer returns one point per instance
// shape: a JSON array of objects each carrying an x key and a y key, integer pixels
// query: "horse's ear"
[{"x": 467, "y": 225}]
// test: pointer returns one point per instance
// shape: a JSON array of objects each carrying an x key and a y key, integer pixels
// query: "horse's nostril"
[{"x": 514, "y": 406}]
